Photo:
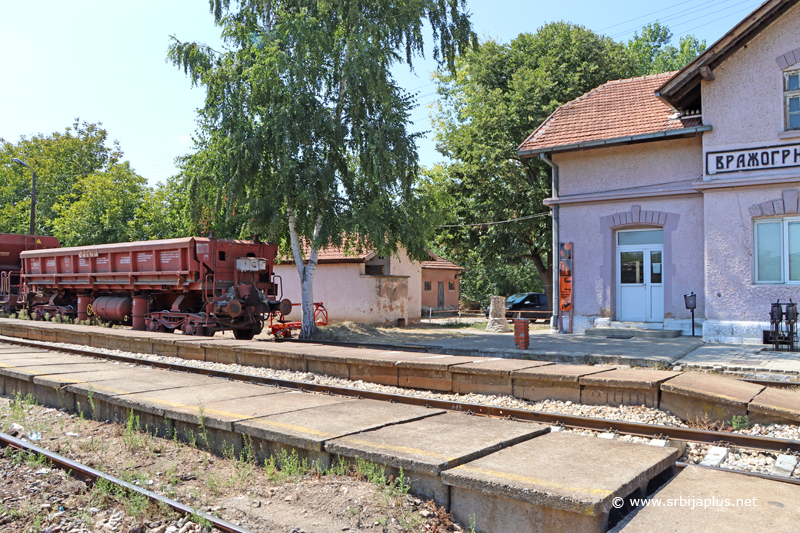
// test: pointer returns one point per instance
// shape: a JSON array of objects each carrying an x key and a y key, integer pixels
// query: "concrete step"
[
  {"x": 557, "y": 482},
  {"x": 633, "y": 332}
]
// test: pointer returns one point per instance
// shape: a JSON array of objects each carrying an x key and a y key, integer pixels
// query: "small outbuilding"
[
  {"x": 440, "y": 284},
  {"x": 364, "y": 287}
]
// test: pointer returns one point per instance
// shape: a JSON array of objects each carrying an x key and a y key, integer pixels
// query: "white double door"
[{"x": 640, "y": 276}]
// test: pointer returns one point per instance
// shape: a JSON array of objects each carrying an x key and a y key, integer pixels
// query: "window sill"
[{"x": 789, "y": 134}]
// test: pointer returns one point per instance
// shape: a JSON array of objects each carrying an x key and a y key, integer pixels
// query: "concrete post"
[{"x": 497, "y": 316}]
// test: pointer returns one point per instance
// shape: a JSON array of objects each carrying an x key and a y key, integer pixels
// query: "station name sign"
[{"x": 767, "y": 157}]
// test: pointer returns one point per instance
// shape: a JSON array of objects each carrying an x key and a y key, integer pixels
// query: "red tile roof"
[
  {"x": 331, "y": 254},
  {"x": 618, "y": 108},
  {"x": 440, "y": 263}
]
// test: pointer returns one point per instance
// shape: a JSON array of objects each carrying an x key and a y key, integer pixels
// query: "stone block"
[
  {"x": 784, "y": 466},
  {"x": 715, "y": 456}
]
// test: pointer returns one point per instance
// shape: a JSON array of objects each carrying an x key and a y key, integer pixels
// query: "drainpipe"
[{"x": 554, "y": 266}]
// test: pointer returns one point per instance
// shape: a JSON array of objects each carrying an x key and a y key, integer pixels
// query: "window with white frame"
[
  {"x": 791, "y": 91},
  {"x": 777, "y": 257}
]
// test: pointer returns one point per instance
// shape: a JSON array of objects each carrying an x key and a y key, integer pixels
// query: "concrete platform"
[
  {"x": 553, "y": 382},
  {"x": 424, "y": 448},
  {"x": 749, "y": 358},
  {"x": 489, "y": 376},
  {"x": 624, "y": 387},
  {"x": 698, "y": 496},
  {"x": 307, "y": 430},
  {"x": 771, "y": 405},
  {"x": 695, "y": 395},
  {"x": 574, "y": 349},
  {"x": 557, "y": 482}
]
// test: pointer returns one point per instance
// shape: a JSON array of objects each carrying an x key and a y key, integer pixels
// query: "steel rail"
[
  {"x": 424, "y": 349},
  {"x": 570, "y": 421},
  {"x": 90, "y": 474},
  {"x": 680, "y": 465}
]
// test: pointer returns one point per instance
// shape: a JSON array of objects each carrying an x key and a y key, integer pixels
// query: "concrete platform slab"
[
  {"x": 424, "y": 448},
  {"x": 233, "y": 404},
  {"x": 695, "y": 395},
  {"x": 368, "y": 366},
  {"x": 28, "y": 372},
  {"x": 44, "y": 358},
  {"x": 429, "y": 371},
  {"x": 12, "y": 349},
  {"x": 556, "y": 482},
  {"x": 624, "y": 387},
  {"x": 489, "y": 376},
  {"x": 311, "y": 428},
  {"x": 773, "y": 405},
  {"x": 553, "y": 382},
  {"x": 699, "y": 496}
]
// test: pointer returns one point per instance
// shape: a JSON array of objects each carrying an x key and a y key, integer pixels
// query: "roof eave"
[
  {"x": 628, "y": 139},
  {"x": 688, "y": 79}
]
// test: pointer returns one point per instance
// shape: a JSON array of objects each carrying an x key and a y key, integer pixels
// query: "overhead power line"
[{"x": 538, "y": 215}]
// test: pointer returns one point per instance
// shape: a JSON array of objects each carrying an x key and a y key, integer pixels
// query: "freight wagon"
[
  {"x": 11, "y": 246},
  {"x": 196, "y": 285}
]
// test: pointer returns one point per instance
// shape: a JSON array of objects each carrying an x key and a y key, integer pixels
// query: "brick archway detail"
[
  {"x": 787, "y": 203},
  {"x": 637, "y": 217}
]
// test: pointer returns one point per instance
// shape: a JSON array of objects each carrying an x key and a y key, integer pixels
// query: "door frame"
[{"x": 646, "y": 250}]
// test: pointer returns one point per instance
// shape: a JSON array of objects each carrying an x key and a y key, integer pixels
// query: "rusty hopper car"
[
  {"x": 196, "y": 285},
  {"x": 11, "y": 246}
]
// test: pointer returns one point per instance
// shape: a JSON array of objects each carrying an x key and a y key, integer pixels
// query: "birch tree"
[{"x": 304, "y": 126}]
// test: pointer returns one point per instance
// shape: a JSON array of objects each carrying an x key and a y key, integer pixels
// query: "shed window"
[
  {"x": 427, "y": 285},
  {"x": 792, "y": 95},
  {"x": 373, "y": 270},
  {"x": 451, "y": 286}
]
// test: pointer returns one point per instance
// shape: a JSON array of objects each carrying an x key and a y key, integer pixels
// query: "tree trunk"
[{"x": 306, "y": 272}]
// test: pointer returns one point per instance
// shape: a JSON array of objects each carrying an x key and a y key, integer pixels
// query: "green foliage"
[
  {"x": 304, "y": 128},
  {"x": 99, "y": 208},
  {"x": 85, "y": 193},
  {"x": 652, "y": 52},
  {"x": 740, "y": 422},
  {"x": 497, "y": 96},
  {"x": 59, "y": 159}
]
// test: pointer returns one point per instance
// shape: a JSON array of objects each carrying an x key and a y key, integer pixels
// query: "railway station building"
[{"x": 685, "y": 182}]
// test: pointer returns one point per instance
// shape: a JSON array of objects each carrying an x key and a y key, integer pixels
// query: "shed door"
[
  {"x": 640, "y": 285},
  {"x": 440, "y": 298}
]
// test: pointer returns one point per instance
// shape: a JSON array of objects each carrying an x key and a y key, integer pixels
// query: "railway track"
[
  {"x": 86, "y": 473},
  {"x": 569, "y": 421},
  {"x": 413, "y": 348}
]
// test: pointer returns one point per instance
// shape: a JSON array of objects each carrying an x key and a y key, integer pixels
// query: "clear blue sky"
[{"x": 104, "y": 61}]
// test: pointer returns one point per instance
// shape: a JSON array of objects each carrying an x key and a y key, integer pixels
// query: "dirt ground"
[
  {"x": 282, "y": 495},
  {"x": 424, "y": 331}
]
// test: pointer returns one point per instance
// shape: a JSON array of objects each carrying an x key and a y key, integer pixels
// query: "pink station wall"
[{"x": 592, "y": 226}]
